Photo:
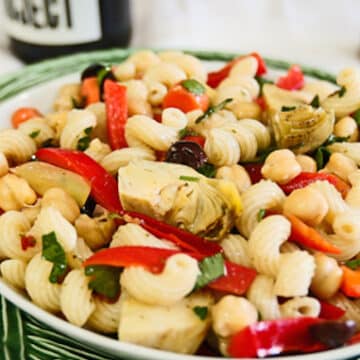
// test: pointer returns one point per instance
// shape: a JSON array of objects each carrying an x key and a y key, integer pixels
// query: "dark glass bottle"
[{"x": 49, "y": 28}]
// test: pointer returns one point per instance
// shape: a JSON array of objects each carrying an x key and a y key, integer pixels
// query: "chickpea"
[
  {"x": 281, "y": 166},
  {"x": 231, "y": 314},
  {"x": 327, "y": 278},
  {"x": 307, "y": 204},
  {"x": 125, "y": 71},
  {"x": 341, "y": 165},
  {"x": 347, "y": 127},
  {"x": 15, "y": 193},
  {"x": 237, "y": 174},
  {"x": 62, "y": 201},
  {"x": 307, "y": 163}
]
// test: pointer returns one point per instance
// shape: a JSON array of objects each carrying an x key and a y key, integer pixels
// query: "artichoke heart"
[
  {"x": 302, "y": 129},
  {"x": 180, "y": 196}
]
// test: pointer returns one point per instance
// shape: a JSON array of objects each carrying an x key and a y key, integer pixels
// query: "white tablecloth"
[{"x": 323, "y": 33}]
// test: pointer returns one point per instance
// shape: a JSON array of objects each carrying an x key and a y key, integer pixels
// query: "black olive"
[
  {"x": 91, "y": 71},
  {"x": 188, "y": 153},
  {"x": 333, "y": 333},
  {"x": 88, "y": 207}
]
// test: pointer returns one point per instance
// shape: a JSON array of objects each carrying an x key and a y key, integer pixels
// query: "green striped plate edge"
[{"x": 23, "y": 337}]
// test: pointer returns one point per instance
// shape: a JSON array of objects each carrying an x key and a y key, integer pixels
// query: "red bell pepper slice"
[
  {"x": 307, "y": 236},
  {"x": 216, "y": 77},
  {"x": 329, "y": 311},
  {"x": 306, "y": 178},
  {"x": 195, "y": 138},
  {"x": 183, "y": 99},
  {"x": 22, "y": 115},
  {"x": 182, "y": 238},
  {"x": 355, "y": 339},
  {"x": 116, "y": 113},
  {"x": 153, "y": 259},
  {"x": 236, "y": 280},
  {"x": 254, "y": 171},
  {"x": 350, "y": 284},
  {"x": 104, "y": 187},
  {"x": 90, "y": 90},
  {"x": 293, "y": 80},
  {"x": 275, "y": 337}
]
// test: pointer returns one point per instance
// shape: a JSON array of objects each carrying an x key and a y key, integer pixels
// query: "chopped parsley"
[
  {"x": 315, "y": 102},
  {"x": 84, "y": 142},
  {"x": 211, "y": 268},
  {"x": 104, "y": 280},
  {"x": 193, "y": 86},
  {"x": 201, "y": 311},
  {"x": 102, "y": 74},
  {"x": 188, "y": 178},
  {"x": 212, "y": 109},
  {"x": 353, "y": 264},
  {"x": 207, "y": 170},
  {"x": 261, "y": 214},
  {"x": 53, "y": 251},
  {"x": 34, "y": 134},
  {"x": 288, "y": 108},
  {"x": 341, "y": 92}
]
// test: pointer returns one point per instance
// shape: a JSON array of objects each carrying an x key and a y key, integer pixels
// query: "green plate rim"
[{"x": 13, "y": 83}]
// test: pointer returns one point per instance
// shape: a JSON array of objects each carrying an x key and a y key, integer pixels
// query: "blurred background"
[{"x": 323, "y": 33}]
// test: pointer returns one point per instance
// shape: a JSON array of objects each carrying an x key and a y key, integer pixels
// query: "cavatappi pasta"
[{"x": 206, "y": 202}]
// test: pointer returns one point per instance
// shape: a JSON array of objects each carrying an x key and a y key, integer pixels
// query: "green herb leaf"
[
  {"x": 315, "y": 102},
  {"x": 201, "y": 311},
  {"x": 193, "y": 86},
  {"x": 186, "y": 132},
  {"x": 356, "y": 116},
  {"x": 262, "y": 81},
  {"x": 211, "y": 268},
  {"x": 353, "y": 264},
  {"x": 34, "y": 134},
  {"x": 261, "y": 214},
  {"x": 322, "y": 156},
  {"x": 207, "y": 170},
  {"x": 188, "y": 178},
  {"x": 213, "y": 109},
  {"x": 84, "y": 142},
  {"x": 102, "y": 74},
  {"x": 105, "y": 280},
  {"x": 334, "y": 139},
  {"x": 288, "y": 108},
  {"x": 53, "y": 251}
]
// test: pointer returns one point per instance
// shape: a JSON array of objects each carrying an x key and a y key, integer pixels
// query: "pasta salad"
[{"x": 188, "y": 210}]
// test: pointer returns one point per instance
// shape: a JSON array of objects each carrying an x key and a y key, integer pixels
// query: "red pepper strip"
[
  {"x": 236, "y": 281},
  {"x": 307, "y": 236},
  {"x": 329, "y": 311},
  {"x": 350, "y": 284},
  {"x": 306, "y": 178},
  {"x": 216, "y": 77},
  {"x": 153, "y": 259},
  {"x": 169, "y": 232},
  {"x": 116, "y": 113},
  {"x": 195, "y": 138},
  {"x": 104, "y": 187},
  {"x": 275, "y": 337},
  {"x": 254, "y": 171},
  {"x": 293, "y": 80}
]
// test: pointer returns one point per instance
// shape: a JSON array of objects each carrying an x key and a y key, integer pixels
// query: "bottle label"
[{"x": 52, "y": 22}]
